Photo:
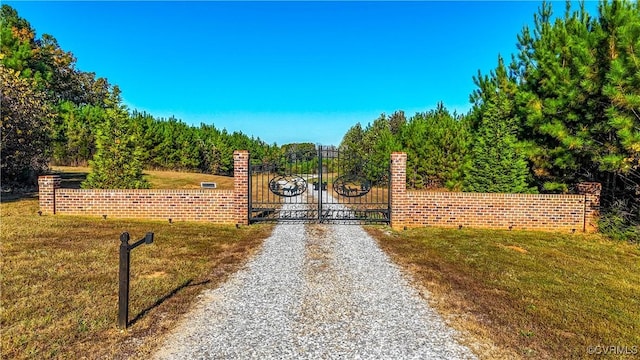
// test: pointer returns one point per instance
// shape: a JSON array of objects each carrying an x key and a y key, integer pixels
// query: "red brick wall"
[
  {"x": 500, "y": 211},
  {"x": 398, "y": 199},
  {"x": 503, "y": 211},
  {"x": 241, "y": 186},
  {"x": 591, "y": 191},
  {"x": 217, "y": 206},
  {"x": 47, "y": 186}
]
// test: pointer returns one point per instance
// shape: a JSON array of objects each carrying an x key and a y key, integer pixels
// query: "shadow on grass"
[
  {"x": 72, "y": 180},
  {"x": 165, "y": 298},
  {"x": 12, "y": 197},
  {"x": 68, "y": 180}
]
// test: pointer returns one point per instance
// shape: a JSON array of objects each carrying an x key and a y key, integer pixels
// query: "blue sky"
[{"x": 286, "y": 71}]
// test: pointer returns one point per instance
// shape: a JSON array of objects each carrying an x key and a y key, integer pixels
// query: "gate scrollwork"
[
  {"x": 288, "y": 185},
  {"x": 351, "y": 186}
]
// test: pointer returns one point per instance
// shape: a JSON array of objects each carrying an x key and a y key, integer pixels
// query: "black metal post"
[
  {"x": 125, "y": 261},
  {"x": 123, "y": 293}
]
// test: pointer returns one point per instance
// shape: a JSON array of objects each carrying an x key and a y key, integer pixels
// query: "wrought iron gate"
[{"x": 323, "y": 185}]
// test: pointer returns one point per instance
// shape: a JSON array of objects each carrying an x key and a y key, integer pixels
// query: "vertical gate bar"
[
  {"x": 320, "y": 183},
  {"x": 293, "y": 165},
  {"x": 294, "y": 171}
]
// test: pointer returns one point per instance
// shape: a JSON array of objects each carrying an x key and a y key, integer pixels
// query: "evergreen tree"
[
  {"x": 497, "y": 162},
  {"x": 354, "y": 149},
  {"x": 414, "y": 137},
  {"x": 397, "y": 120},
  {"x": 210, "y": 154},
  {"x": 117, "y": 163},
  {"x": 352, "y": 141},
  {"x": 620, "y": 160},
  {"x": 577, "y": 95},
  {"x": 380, "y": 143},
  {"x": 74, "y": 135},
  {"x": 436, "y": 143}
]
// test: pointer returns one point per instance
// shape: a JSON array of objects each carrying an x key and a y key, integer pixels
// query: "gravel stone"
[{"x": 314, "y": 292}]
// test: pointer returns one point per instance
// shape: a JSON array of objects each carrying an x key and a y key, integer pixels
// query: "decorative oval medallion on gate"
[
  {"x": 288, "y": 185},
  {"x": 351, "y": 186}
]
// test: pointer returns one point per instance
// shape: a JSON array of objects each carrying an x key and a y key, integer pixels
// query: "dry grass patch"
[
  {"x": 533, "y": 294},
  {"x": 73, "y": 176},
  {"x": 59, "y": 280}
]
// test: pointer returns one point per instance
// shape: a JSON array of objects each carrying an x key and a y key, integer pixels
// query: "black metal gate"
[{"x": 321, "y": 184}]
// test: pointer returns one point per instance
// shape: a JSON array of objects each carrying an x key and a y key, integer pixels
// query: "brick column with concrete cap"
[
  {"x": 241, "y": 185},
  {"x": 591, "y": 192},
  {"x": 47, "y": 186},
  {"x": 398, "y": 189}
]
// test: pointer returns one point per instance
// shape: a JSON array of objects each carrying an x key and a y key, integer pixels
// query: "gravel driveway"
[{"x": 314, "y": 292}]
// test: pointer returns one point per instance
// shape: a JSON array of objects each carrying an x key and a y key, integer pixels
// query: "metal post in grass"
[{"x": 125, "y": 261}]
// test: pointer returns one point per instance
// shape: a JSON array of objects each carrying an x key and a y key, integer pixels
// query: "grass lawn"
[
  {"x": 533, "y": 294},
  {"x": 73, "y": 176},
  {"x": 59, "y": 280},
  {"x": 525, "y": 294}
]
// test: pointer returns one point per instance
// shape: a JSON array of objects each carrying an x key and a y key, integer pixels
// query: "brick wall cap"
[
  {"x": 495, "y": 195},
  {"x": 150, "y": 191}
]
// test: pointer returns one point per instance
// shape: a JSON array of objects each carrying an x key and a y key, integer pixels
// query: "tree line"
[
  {"x": 54, "y": 113},
  {"x": 564, "y": 109}
]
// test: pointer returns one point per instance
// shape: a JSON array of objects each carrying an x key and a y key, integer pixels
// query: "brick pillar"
[
  {"x": 398, "y": 189},
  {"x": 591, "y": 192},
  {"x": 47, "y": 186},
  {"x": 241, "y": 185}
]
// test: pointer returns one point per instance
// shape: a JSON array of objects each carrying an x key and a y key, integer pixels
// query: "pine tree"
[
  {"x": 578, "y": 81},
  {"x": 354, "y": 149},
  {"x": 497, "y": 161},
  {"x": 436, "y": 143},
  {"x": 560, "y": 98},
  {"x": 620, "y": 158},
  {"x": 622, "y": 85},
  {"x": 414, "y": 139},
  {"x": 381, "y": 143},
  {"x": 117, "y": 163},
  {"x": 352, "y": 140}
]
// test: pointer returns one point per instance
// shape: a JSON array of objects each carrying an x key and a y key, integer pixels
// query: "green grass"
[
  {"x": 536, "y": 294},
  {"x": 59, "y": 280}
]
